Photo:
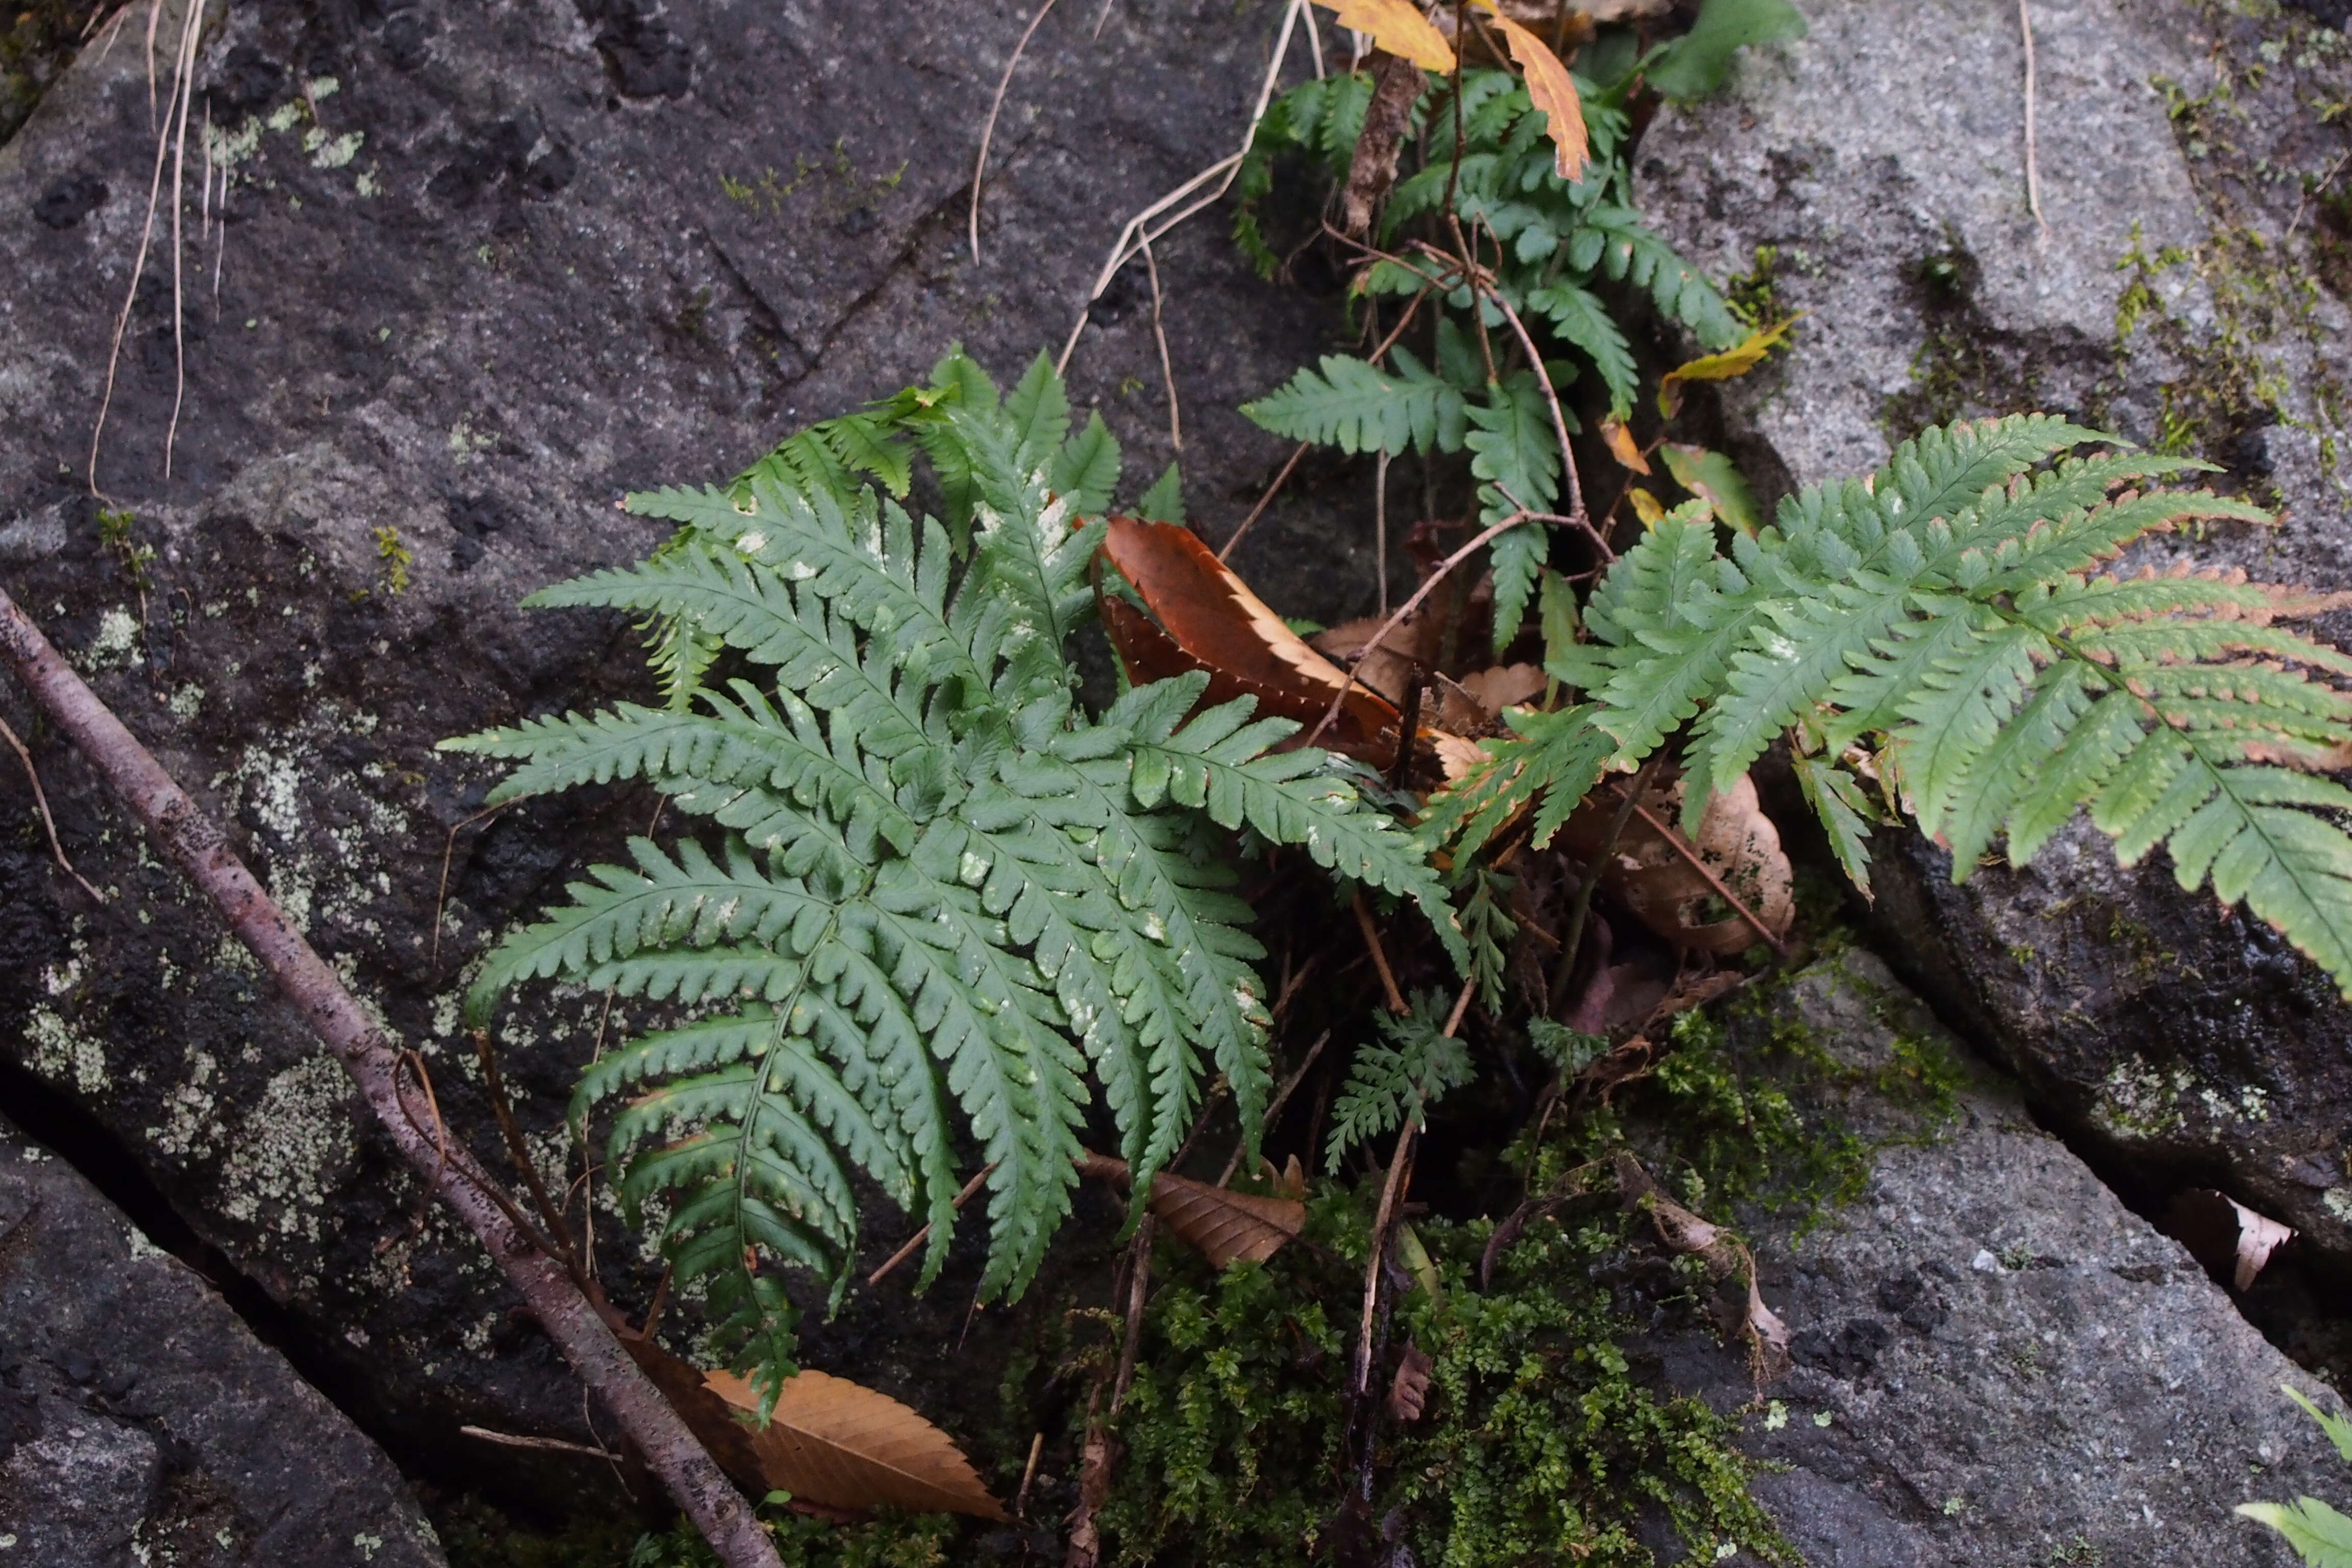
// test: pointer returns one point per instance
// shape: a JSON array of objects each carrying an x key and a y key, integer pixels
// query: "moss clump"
[
  {"x": 1537, "y": 1444},
  {"x": 888, "y": 1540}
]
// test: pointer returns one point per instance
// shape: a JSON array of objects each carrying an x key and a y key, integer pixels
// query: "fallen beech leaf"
[
  {"x": 1656, "y": 880},
  {"x": 1387, "y": 667},
  {"x": 1409, "y": 1391},
  {"x": 1397, "y": 85},
  {"x": 1711, "y": 477},
  {"x": 1623, "y": 446},
  {"x": 1735, "y": 361},
  {"x": 1504, "y": 686},
  {"x": 1209, "y": 620},
  {"x": 838, "y": 1443},
  {"x": 1224, "y": 1225},
  {"x": 1291, "y": 1182},
  {"x": 1398, "y": 27},
  {"x": 1552, "y": 92},
  {"x": 2222, "y": 1232}
]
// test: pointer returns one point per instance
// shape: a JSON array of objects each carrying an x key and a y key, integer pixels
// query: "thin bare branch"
[{"x": 575, "y": 1323}]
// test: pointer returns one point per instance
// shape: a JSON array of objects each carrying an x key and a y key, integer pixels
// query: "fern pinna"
[
  {"x": 932, "y": 891},
  {"x": 1943, "y": 627},
  {"x": 1552, "y": 248}
]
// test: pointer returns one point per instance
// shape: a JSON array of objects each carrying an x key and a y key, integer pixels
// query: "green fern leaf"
[
  {"x": 946, "y": 896},
  {"x": 1412, "y": 1065},
  {"x": 1358, "y": 408}
]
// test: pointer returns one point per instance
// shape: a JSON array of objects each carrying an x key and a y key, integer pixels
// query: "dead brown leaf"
[
  {"x": 1412, "y": 644},
  {"x": 1504, "y": 686},
  {"x": 1209, "y": 620},
  {"x": 1409, "y": 1391},
  {"x": 2222, "y": 1233},
  {"x": 1396, "y": 87},
  {"x": 1652, "y": 868},
  {"x": 841, "y": 1444},
  {"x": 1224, "y": 1225}
]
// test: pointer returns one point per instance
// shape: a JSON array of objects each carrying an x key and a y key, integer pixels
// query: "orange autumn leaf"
[
  {"x": 1398, "y": 27},
  {"x": 1209, "y": 620},
  {"x": 841, "y": 1444},
  {"x": 1623, "y": 446},
  {"x": 1552, "y": 90}
]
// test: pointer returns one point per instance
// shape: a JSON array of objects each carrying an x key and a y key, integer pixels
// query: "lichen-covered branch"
[{"x": 194, "y": 843}]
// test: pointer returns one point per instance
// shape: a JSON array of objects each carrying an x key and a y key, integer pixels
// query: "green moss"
[
  {"x": 476, "y": 1535},
  {"x": 889, "y": 1541},
  {"x": 1537, "y": 1444},
  {"x": 1755, "y": 294}
]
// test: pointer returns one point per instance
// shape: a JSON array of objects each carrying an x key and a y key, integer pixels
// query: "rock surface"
[
  {"x": 2188, "y": 293},
  {"x": 476, "y": 271},
  {"x": 1995, "y": 1363},
  {"x": 139, "y": 1419}
]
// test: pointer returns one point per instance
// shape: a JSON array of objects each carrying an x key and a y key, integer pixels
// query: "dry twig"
[{"x": 41, "y": 803}]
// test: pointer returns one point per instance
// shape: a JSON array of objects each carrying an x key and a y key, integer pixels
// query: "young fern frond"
[
  {"x": 920, "y": 895},
  {"x": 1948, "y": 616},
  {"x": 1399, "y": 1077}
]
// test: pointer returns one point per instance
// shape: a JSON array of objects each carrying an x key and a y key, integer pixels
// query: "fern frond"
[
  {"x": 1949, "y": 606},
  {"x": 1400, "y": 1076},
  {"x": 949, "y": 895},
  {"x": 1358, "y": 408},
  {"x": 1554, "y": 759}
]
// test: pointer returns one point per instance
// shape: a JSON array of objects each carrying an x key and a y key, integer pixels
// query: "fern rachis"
[
  {"x": 1949, "y": 622},
  {"x": 934, "y": 894}
]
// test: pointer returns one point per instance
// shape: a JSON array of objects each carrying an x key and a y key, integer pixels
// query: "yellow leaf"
[
  {"x": 1621, "y": 446},
  {"x": 1732, "y": 361},
  {"x": 1398, "y": 27},
  {"x": 1647, "y": 507},
  {"x": 1551, "y": 90}
]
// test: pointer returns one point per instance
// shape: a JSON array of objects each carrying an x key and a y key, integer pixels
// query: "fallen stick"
[{"x": 198, "y": 847}]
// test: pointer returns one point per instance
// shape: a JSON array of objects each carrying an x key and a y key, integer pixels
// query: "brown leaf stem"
[
  {"x": 1380, "y": 956},
  {"x": 1572, "y": 940},
  {"x": 200, "y": 849},
  {"x": 924, "y": 1235},
  {"x": 1405, "y": 612}
]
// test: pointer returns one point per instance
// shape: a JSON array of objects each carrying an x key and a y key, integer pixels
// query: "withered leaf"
[
  {"x": 1552, "y": 92},
  {"x": 1623, "y": 446},
  {"x": 1655, "y": 878},
  {"x": 1398, "y": 27},
  {"x": 1209, "y": 620},
  {"x": 1735, "y": 361},
  {"x": 2224, "y": 1233},
  {"x": 840, "y": 1445},
  {"x": 1504, "y": 686},
  {"x": 1226, "y": 1226},
  {"x": 1409, "y": 1390}
]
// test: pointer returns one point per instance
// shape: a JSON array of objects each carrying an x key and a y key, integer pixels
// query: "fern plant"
[
  {"x": 928, "y": 893},
  {"x": 2321, "y": 1535},
  {"x": 1944, "y": 628},
  {"x": 1562, "y": 253},
  {"x": 1415, "y": 1062}
]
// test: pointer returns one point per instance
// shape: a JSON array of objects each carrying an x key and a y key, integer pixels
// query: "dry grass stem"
[
  {"x": 41, "y": 803},
  {"x": 988, "y": 132}
]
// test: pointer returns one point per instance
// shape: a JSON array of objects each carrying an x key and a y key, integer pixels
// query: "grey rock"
[
  {"x": 1883, "y": 161},
  {"x": 528, "y": 256},
  {"x": 141, "y": 1420},
  {"x": 1995, "y": 1363}
]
